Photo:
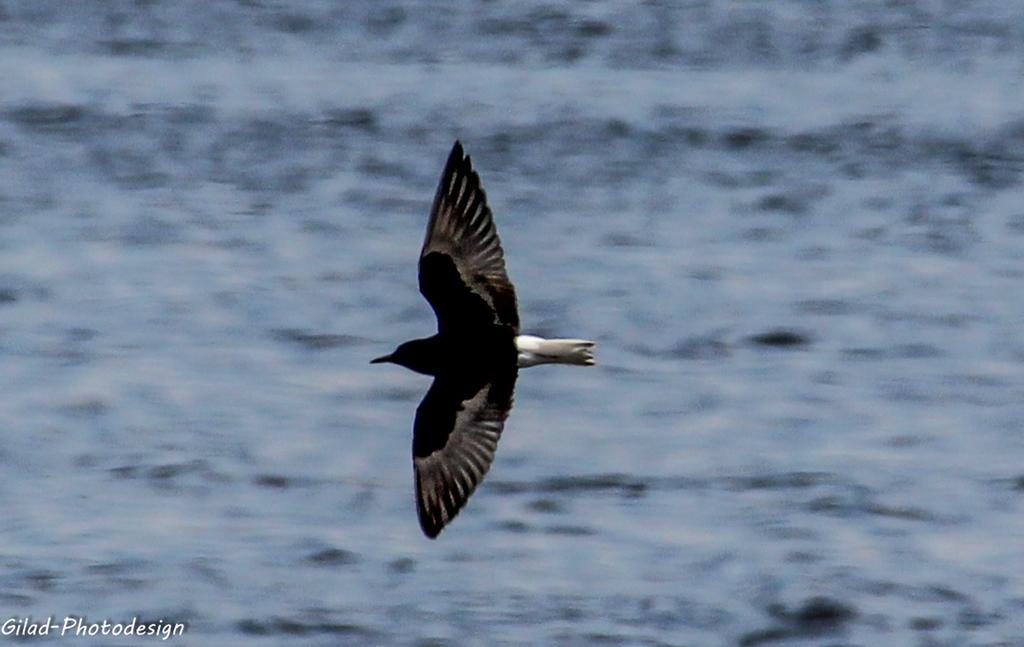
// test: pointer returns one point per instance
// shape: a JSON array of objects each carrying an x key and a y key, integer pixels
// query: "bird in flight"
[{"x": 477, "y": 351}]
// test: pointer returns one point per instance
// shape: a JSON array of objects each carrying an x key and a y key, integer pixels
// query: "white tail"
[{"x": 535, "y": 350}]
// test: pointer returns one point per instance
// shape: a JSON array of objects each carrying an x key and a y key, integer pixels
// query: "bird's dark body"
[
  {"x": 469, "y": 341},
  {"x": 469, "y": 352},
  {"x": 453, "y": 354}
]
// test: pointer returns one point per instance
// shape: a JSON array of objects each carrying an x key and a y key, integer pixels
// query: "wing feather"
[
  {"x": 461, "y": 229},
  {"x": 455, "y": 437}
]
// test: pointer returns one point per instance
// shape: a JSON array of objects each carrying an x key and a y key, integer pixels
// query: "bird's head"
[
  {"x": 393, "y": 358},
  {"x": 413, "y": 355}
]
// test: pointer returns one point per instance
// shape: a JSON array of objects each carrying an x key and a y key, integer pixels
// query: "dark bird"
[{"x": 477, "y": 351}]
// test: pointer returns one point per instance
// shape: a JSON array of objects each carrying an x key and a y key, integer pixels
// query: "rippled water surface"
[{"x": 795, "y": 229}]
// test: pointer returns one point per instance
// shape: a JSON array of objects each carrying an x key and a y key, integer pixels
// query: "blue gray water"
[{"x": 795, "y": 229}]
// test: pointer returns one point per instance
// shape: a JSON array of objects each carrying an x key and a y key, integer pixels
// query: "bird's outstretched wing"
[
  {"x": 462, "y": 266},
  {"x": 456, "y": 433}
]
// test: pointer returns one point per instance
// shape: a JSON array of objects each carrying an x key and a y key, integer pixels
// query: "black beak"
[{"x": 381, "y": 360}]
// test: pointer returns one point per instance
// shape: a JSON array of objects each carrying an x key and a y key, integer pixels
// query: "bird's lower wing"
[{"x": 455, "y": 436}]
